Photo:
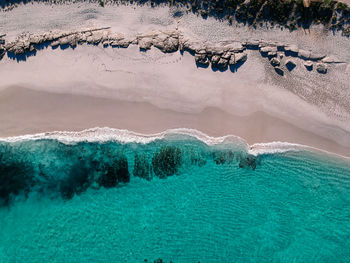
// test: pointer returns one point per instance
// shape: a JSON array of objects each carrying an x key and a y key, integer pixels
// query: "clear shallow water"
[{"x": 221, "y": 205}]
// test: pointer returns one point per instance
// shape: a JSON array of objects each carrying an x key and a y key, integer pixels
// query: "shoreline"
[{"x": 86, "y": 112}]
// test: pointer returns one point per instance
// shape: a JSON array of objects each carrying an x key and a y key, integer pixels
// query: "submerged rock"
[
  {"x": 167, "y": 161},
  {"x": 142, "y": 167},
  {"x": 249, "y": 161},
  {"x": 115, "y": 173},
  {"x": 222, "y": 157},
  {"x": 15, "y": 177}
]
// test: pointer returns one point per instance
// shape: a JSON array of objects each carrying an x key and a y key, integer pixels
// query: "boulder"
[
  {"x": 222, "y": 63},
  {"x": 215, "y": 59},
  {"x": 291, "y": 50},
  {"x": 226, "y": 55},
  {"x": 316, "y": 56},
  {"x": 275, "y": 62},
  {"x": 252, "y": 44},
  {"x": 268, "y": 49},
  {"x": 303, "y": 54},
  {"x": 233, "y": 47},
  {"x": 271, "y": 54},
  {"x": 145, "y": 43},
  {"x": 201, "y": 59},
  {"x": 290, "y": 64},
  {"x": 321, "y": 68},
  {"x": 279, "y": 71},
  {"x": 240, "y": 57},
  {"x": 309, "y": 65}
]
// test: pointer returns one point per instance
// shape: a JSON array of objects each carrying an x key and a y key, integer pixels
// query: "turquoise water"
[{"x": 187, "y": 203}]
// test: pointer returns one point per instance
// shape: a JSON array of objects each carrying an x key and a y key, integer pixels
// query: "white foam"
[{"x": 105, "y": 134}]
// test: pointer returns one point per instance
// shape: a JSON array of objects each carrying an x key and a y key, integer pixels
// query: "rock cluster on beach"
[{"x": 220, "y": 55}]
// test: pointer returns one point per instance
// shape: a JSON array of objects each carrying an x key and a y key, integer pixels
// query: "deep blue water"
[{"x": 178, "y": 200}]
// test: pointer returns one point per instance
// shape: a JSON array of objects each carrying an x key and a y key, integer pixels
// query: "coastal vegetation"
[{"x": 291, "y": 14}]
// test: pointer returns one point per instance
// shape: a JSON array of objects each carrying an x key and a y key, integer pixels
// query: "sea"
[{"x": 107, "y": 195}]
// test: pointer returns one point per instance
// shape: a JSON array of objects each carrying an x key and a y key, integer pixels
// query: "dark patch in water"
[
  {"x": 166, "y": 161},
  {"x": 222, "y": 157},
  {"x": 15, "y": 177},
  {"x": 77, "y": 181},
  {"x": 249, "y": 161},
  {"x": 142, "y": 167},
  {"x": 115, "y": 173}
]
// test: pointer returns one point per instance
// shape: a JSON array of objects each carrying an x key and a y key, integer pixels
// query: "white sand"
[{"x": 171, "y": 92}]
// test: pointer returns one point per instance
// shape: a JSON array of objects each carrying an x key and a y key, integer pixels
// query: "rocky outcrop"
[{"x": 220, "y": 55}]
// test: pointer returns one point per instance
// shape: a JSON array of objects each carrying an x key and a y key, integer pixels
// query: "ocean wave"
[{"x": 106, "y": 134}]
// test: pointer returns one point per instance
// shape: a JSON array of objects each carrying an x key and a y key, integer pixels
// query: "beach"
[{"x": 151, "y": 91}]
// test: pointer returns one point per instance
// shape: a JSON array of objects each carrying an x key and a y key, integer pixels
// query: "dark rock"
[
  {"x": 279, "y": 71},
  {"x": 167, "y": 161},
  {"x": 290, "y": 65}
]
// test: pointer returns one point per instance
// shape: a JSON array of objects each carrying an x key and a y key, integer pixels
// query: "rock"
[
  {"x": 268, "y": 49},
  {"x": 215, "y": 50},
  {"x": 271, "y": 54},
  {"x": 252, "y": 44},
  {"x": 331, "y": 59},
  {"x": 192, "y": 46},
  {"x": 55, "y": 43},
  {"x": 222, "y": 63},
  {"x": 145, "y": 43},
  {"x": 303, "y": 54},
  {"x": 290, "y": 64},
  {"x": 226, "y": 55},
  {"x": 291, "y": 50},
  {"x": 201, "y": 59},
  {"x": 215, "y": 60},
  {"x": 240, "y": 57},
  {"x": 233, "y": 47},
  {"x": 168, "y": 42},
  {"x": 275, "y": 62},
  {"x": 315, "y": 56},
  {"x": 308, "y": 65},
  {"x": 321, "y": 68},
  {"x": 279, "y": 71},
  {"x": 64, "y": 41}
]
